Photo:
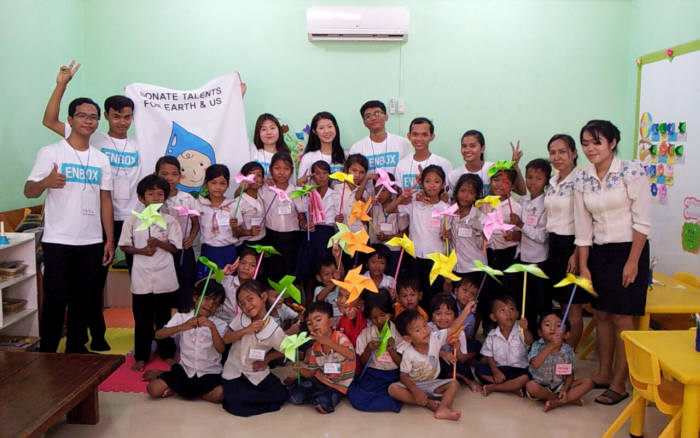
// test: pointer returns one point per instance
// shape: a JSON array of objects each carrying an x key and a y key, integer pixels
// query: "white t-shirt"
[
  {"x": 229, "y": 307},
  {"x": 385, "y": 283},
  {"x": 181, "y": 198},
  {"x": 446, "y": 347},
  {"x": 423, "y": 367},
  {"x": 424, "y": 229},
  {"x": 384, "y": 155},
  {"x": 72, "y": 213},
  {"x": 407, "y": 169},
  {"x": 264, "y": 158},
  {"x": 331, "y": 298},
  {"x": 309, "y": 158},
  {"x": 482, "y": 173},
  {"x": 156, "y": 273},
  {"x": 197, "y": 353},
  {"x": 283, "y": 216},
  {"x": 371, "y": 333},
  {"x": 124, "y": 158},
  {"x": 467, "y": 240}
]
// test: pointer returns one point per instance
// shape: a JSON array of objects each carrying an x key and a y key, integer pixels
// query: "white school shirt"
[
  {"x": 72, "y": 213},
  {"x": 386, "y": 282},
  {"x": 371, "y": 333},
  {"x": 229, "y": 307},
  {"x": 422, "y": 367},
  {"x": 177, "y": 200},
  {"x": 446, "y": 347},
  {"x": 198, "y": 356},
  {"x": 482, "y": 173},
  {"x": 384, "y": 155},
  {"x": 125, "y": 162},
  {"x": 467, "y": 240},
  {"x": 309, "y": 158},
  {"x": 609, "y": 211},
  {"x": 559, "y": 204},
  {"x": 239, "y": 361},
  {"x": 511, "y": 352},
  {"x": 348, "y": 201},
  {"x": 387, "y": 223},
  {"x": 407, "y": 169},
  {"x": 534, "y": 241},
  {"x": 249, "y": 214},
  {"x": 497, "y": 240},
  {"x": 284, "y": 314},
  {"x": 156, "y": 273},
  {"x": 331, "y": 204},
  {"x": 331, "y": 298},
  {"x": 283, "y": 215},
  {"x": 222, "y": 215},
  {"x": 424, "y": 229}
]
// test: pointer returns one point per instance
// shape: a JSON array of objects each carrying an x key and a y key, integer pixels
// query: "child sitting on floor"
[
  {"x": 505, "y": 350},
  {"x": 466, "y": 291},
  {"x": 327, "y": 291},
  {"x": 198, "y": 374},
  {"x": 552, "y": 366},
  {"x": 329, "y": 365},
  {"x": 351, "y": 321}
]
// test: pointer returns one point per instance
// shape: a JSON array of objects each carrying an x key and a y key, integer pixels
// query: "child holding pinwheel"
[
  {"x": 249, "y": 387},
  {"x": 466, "y": 227},
  {"x": 355, "y": 165},
  {"x": 198, "y": 374},
  {"x": 327, "y": 290},
  {"x": 246, "y": 220},
  {"x": 183, "y": 207},
  {"x": 378, "y": 348},
  {"x": 152, "y": 238},
  {"x": 328, "y": 367},
  {"x": 386, "y": 226},
  {"x": 236, "y": 274}
]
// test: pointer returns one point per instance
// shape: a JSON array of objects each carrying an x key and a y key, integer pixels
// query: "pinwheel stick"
[
  {"x": 238, "y": 203},
  {"x": 568, "y": 306},
  {"x": 524, "y": 291},
  {"x": 447, "y": 242},
  {"x": 454, "y": 365},
  {"x": 262, "y": 221},
  {"x": 342, "y": 196},
  {"x": 483, "y": 280},
  {"x": 272, "y": 307},
  {"x": 296, "y": 359},
  {"x": 204, "y": 291},
  {"x": 308, "y": 224},
  {"x": 182, "y": 254},
  {"x": 507, "y": 184},
  {"x": 398, "y": 266},
  {"x": 257, "y": 266}
]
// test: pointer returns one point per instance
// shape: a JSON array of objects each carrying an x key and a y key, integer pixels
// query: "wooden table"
[
  {"x": 38, "y": 389},
  {"x": 677, "y": 358},
  {"x": 671, "y": 296}
]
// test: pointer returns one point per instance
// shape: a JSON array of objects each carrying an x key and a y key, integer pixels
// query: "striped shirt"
[{"x": 317, "y": 359}]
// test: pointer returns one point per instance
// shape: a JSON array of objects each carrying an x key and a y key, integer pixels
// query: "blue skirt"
[
  {"x": 312, "y": 252},
  {"x": 221, "y": 255},
  {"x": 370, "y": 393}
]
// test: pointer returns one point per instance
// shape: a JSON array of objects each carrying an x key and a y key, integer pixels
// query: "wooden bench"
[{"x": 38, "y": 389}]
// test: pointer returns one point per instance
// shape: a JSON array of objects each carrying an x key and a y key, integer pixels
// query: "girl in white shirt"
[
  {"x": 218, "y": 241},
  {"x": 612, "y": 219},
  {"x": 387, "y": 225},
  {"x": 267, "y": 141},
  {"x": 466, "y": 226},
  {"x": 323, "y": 144},
  {"x": 247, "y": 225}
]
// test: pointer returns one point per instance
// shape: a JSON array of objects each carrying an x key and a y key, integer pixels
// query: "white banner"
[{"x": 199, "y": 127}]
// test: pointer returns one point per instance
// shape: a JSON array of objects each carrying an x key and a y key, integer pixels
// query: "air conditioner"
[{"x": 357, "y": 24}]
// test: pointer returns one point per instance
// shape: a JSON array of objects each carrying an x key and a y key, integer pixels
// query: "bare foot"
[
  {"x": 578, "y": 402},
  {"x": 519, "y": 392},
  {"x": 139, "y": 365},
  {"x": 167, "y": 392},
  {"x": 149, "y": 375},
  {"x": 172, "y": 361},
  {"x": 486, "y": 390},
  {"x": 433, "y": 405},
  {"x": 552, "y": 404},
  {"x": 444, "y": 413},
  {"x": 474, "y": 386}
]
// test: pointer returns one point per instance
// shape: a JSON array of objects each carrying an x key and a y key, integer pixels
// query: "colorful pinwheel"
[
  {"x": 264, "y": 251},
  {"x": 342, "y": 229},
  {"x": 493, "y": 201},
  {"x": 182, "y": 210},
  {"x": 286, "y": 288},
  {"x": 443, "y": 265},
  {"x": 406, "y": 245},
  {"x": 487, "y": 270},
  {"x": 359, "y": 211},
  {"x": 384, "y": 337},
  {"x": 502, "y": 166},
  {"x": 525, "y": 269},
  {"x": 290, "y": 345},
  {"x": 240, "y": 178},
  {"x": 343, "y": 178},
  {"x": 355, "y": 283},
  {"x": 385, "y": 181},
  {"x": 494, "y": 222},
  {"x": 305, "y": 191},
  {"x": 218, "y": 276},
  {"x": 445, "y": 213},
  {"x": 576, "y": 281},
  {"x": 150, "y": 216},
  {"x": 356, "y": 242}
]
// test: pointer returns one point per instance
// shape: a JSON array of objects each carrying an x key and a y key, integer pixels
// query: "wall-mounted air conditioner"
[{"x": 364, "y": 24}]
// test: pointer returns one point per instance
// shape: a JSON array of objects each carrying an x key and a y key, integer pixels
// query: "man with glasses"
[
  {"x": 78, "y": 205},
  {"x": 382, "y": 149}
]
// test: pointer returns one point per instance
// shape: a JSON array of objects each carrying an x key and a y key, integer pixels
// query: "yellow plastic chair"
[
  {"x": 691, "y": 280},
  {"x": 645, "y": 375}
]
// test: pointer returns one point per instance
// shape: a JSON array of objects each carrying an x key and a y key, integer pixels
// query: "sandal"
[{"x": 614, "y": 397}]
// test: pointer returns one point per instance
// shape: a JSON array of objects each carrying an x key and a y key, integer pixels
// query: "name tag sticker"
[
  {"x": 121, "y": 189},
  {"x": 255, "y": 221},
  {"x": 284, "y": 207},
  {"x": 331, "y": 368},
  {"x": 531, "y": 220},
  {"x": 464, "y": 232},
  {"x": 433, "y": 222},
  {"x": 88, "y": 203},
  {"x": 223, "y": 217},
  {"x": 256, "y": 354},
  {"x": 386, "y": 227},
  {"x": 563, "y": 369},
  {"x": 385, "y": 357}
]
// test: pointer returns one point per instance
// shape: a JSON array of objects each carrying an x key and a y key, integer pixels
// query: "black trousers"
[
  {"x": 186, "y": 276},
  {"x": 71, "y": 278},
  {"x": 151, "y": 313}
]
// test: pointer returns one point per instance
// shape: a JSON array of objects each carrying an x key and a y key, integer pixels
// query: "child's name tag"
[
  {"x": 464, "y": 232},
  {"x": 223, "y": 217},
  {"x": 385, "y": 357},
  {"x": 121, "y": 188},
  {"x": 88, "y": 203},
  {"x": 284, "y": 208},
  {"x": 531, "y": 220},
  {"x": 255, "y": 221},
  {"x": 433, "y": 222},
  {"x": 331, "y": 368},
  {"x": 563, "y": 369},
  {"x": 256, "y": 354},
  {"x": 386, "y": 227}
]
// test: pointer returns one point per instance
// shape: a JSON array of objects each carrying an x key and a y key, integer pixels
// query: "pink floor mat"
[{"x": 124, "y": 379}]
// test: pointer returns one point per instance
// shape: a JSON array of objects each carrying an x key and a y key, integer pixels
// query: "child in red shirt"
[{"x": 351, "y": 322}]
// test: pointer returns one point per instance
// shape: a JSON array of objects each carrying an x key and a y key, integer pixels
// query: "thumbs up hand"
[{"x": 55, "y": 180}]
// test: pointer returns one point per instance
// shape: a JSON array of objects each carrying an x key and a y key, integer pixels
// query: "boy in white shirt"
[
  {"x": 153, "y": 277},
  {"x": 421, "y": 132}
]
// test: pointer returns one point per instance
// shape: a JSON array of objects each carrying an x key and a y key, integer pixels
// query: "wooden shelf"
[
  {"x": 9, "y": 319},
  {"x": 14, "y": 280}
]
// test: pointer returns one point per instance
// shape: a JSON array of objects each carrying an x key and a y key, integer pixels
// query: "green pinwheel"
[
  {"x": 264, "y": 251},
  {"x": 286, "y": 288},
  {"x": 342, "y": 229},
  {"x": 499, "y": 166},
  {"x": 303, "y": 191},
  {"x": 525, "y": 269},
  {"x": 384, "y": 337},
  {"x": 150, "y": 216},
  {"x": 218, "y": 276},
  {"x": 487, "y": 270},
  {"x": 290, "y": 345}
]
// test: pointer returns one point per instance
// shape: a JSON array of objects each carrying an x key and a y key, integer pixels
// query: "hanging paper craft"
[
  {"x": 690, "y": 237},
  {"x": 443, "y": 266},
  {"x": 356, "y": 242},
  {"x": 355, "y": 283},
  {"x": 264, "y": 251},
  {"x": 406, "y": 245},
  {"x": 218, "y": 276},
  {"x": 526, "y": 269},
  {"x": 584, "y": 283},
  {"x": 385, "y": 181}
]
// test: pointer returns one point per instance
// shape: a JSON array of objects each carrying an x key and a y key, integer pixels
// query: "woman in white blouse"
[
  {"x": 612, "y": 220},
  {"x": 559, "y": 205}
]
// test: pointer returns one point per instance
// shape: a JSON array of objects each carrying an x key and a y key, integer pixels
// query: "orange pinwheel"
[
  {"x": 355, "y": 283},
  {"x": 359, "y": 211},
  {"x": 356, "y": 242}
]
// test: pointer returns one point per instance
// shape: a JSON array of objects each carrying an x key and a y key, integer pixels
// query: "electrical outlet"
[
  {"x": 402, "y": 106},
  {"x": 392, "y": 105}
]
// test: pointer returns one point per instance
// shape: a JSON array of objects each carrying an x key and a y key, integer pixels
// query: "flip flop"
[
  {"x": 614, "y": 396},
  {"x": 595, "y": 385}
]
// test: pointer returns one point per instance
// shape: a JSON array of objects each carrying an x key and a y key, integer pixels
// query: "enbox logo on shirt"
[
  {"x": 81, "y": 174},
  {"x": 389, "y": 159},
  {"x": 408, "y": 180},
  {"x": 121, "y": 159}
]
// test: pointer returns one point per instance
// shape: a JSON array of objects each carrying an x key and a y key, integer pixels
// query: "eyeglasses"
[
  {"x": 377, "y": 113},
  {"x": 91, "y": 117}
]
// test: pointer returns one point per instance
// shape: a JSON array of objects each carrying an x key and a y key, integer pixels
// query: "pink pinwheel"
[
  {"x": 385, "y": 181},
  {"x": 282, "y": 194},
  {"x": 447, "y": 211},
  {"x": 182, "y": 210},
  {"x": 250, "y": 178},
  {"x": 494, "y": 222}
]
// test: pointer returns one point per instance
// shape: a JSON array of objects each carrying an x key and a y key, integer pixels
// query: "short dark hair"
[
  {"x": 504, "y": 298},
  {"x": 404, "y": 319},
  {"x": 253, "y": 286},
  {"x": 356, "y": 158},
  {"x": 510, "y": 174},
  {"x": 282, "y": 156},
  {"x": 568, "y": 140},
  {"x": 214, "y": 290},
  {"x": 321, "y": 164},
  {"x": 168, "y": 159},
  {"x": 79, "y": 101},
  {"x": 320, "y": 307},
  {"x": 540, "y": 164},
  {"x": 118, "y": 102},
  {"x": 557, "y": 313},
  {"x": 215, "y": 171},
  {"x": 379, "y": 250},
  {"x": 327, "y": 261},
  {"x": 152, "y": 182},
  {"x": 433, "y": 168},
  {"x": 245, "y": 250},
  {"x": 420, "y": 121},
  {"x": 466, "y": 279},
  {"x": 469, "y": 179},
  {"x": 372, "y": 104},
  {"x": 380, "y": 300},
  {"x": 407, "y": 281},
  {"x": 602, "y": 128},
  {"x": 444, "y": 299},
  {"x": 251, "y": 166}
]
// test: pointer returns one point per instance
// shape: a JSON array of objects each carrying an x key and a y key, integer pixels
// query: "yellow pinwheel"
[
  {"x": 355, "y": 283},
  {"x": 342, "y": 177},
  {"x": 576, "y": 281},
  {"x": 493, "y": 201},
  {"x": 404, "y": 242},
  {"x": 443, "y": 265},
  {"x": 359, "y": 211},
  {"x": 356, "y": 242}
]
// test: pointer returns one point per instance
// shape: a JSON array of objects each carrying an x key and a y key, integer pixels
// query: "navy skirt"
[
  {"x": 560, "y": 250},
  {"x": 370, "y": 393},
  {"x": 312, "y": 252},
  {"x": 606, "y": 263},
  {"x": 221, "y": 255}
]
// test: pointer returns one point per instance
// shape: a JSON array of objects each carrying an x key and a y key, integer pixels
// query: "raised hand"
[
  {"x": 517, "y": 153},
  {"x": 66, "y": 73},
  {"x": 55, "y": 180}
]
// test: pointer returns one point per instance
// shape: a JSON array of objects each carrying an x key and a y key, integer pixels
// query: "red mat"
[{"x": 124, "y": 379}]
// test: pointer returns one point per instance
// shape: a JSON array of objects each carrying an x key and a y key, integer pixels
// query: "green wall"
[{"x": 520, "y": 69}]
